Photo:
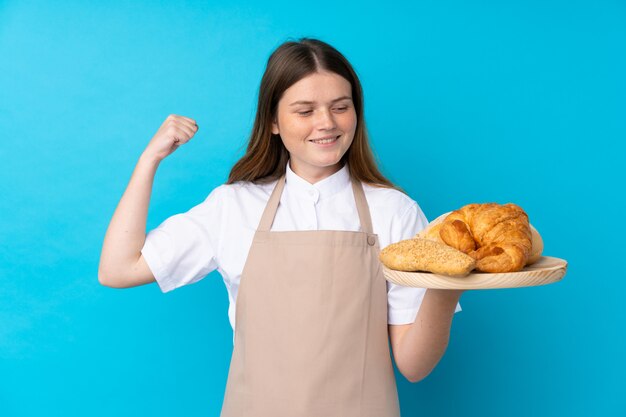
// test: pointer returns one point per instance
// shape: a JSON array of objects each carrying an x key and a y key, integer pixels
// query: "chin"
[
  {"x": 328, "y": 163},
  {"x": 328, "y": 160}
]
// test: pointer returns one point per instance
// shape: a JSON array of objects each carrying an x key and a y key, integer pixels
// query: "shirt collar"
[{"x": 321, "y": 189}]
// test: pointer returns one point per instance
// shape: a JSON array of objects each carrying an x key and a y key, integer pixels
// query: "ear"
[{"x": 275, "y": 129}]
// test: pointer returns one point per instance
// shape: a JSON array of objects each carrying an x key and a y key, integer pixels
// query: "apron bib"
[{"x": 311, "y": 337}]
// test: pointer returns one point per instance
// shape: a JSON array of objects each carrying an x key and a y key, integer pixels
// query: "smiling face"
[{"x": 316, "y": 121}]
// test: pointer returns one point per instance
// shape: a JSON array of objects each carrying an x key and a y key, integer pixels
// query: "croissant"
[{"x": 498, "y": 237}]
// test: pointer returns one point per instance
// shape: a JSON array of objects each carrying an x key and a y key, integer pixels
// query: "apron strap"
[
  {"x": 272, "y": 206},
  {"x": 361, "y": 206}
]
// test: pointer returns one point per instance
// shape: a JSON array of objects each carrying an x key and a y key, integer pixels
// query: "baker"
[{"x": 295, "y": 233}]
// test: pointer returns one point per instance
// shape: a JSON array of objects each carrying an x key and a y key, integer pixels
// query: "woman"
[{"x": 295, "y": 233}]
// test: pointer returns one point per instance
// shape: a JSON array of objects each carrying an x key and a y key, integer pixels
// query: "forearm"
[
  {"x": 426, "y": 340},
  {"x": 126, "y": 233}
]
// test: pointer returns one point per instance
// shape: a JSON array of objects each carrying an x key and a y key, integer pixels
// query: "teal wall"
[{"x": 466, "y": 101}]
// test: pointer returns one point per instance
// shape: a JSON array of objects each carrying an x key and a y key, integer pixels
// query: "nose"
[{"x": 325, "y": 120}]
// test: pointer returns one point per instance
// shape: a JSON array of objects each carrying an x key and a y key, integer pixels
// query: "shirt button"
[{"x": 371, "y": 240}]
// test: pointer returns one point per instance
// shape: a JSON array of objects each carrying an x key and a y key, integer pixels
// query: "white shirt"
[{"x": 218, "y": 233}]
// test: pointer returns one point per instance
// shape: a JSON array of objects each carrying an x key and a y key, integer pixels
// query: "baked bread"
[
  {"x": 426, "y": 255},
  {"x": 499, "y": 237},
  {"x": 432, "y": 233}
]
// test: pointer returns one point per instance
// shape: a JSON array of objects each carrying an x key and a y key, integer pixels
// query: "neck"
[{"x": 314, "y": 174}]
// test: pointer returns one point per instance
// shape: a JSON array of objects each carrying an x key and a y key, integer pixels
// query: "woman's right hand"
[{"x": 175, "y": 131}]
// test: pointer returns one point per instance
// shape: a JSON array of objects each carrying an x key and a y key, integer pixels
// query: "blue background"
[{"x": 466, "y": 101}]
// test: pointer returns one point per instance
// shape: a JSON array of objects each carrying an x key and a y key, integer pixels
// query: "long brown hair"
[{"x": 266, "y": 157}]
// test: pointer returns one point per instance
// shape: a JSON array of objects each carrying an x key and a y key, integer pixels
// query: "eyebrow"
[{"x": 312, "y": 102}]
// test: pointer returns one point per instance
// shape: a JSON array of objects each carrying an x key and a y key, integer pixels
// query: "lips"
[{"x": 325, "y": 140}]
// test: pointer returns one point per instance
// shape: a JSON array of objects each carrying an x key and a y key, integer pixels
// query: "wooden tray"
[{"x": 545, "y": 271}]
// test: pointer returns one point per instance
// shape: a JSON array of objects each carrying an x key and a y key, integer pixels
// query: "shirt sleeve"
[
  {"x": 181, "y": 250},
  {"x": 404, "y": 302}
]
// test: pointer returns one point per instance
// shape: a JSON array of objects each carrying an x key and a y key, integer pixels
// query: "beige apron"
[{"x": 311, "y": 335}]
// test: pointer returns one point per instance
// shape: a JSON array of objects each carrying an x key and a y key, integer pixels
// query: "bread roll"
[{"x": 426, "y": 255}]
